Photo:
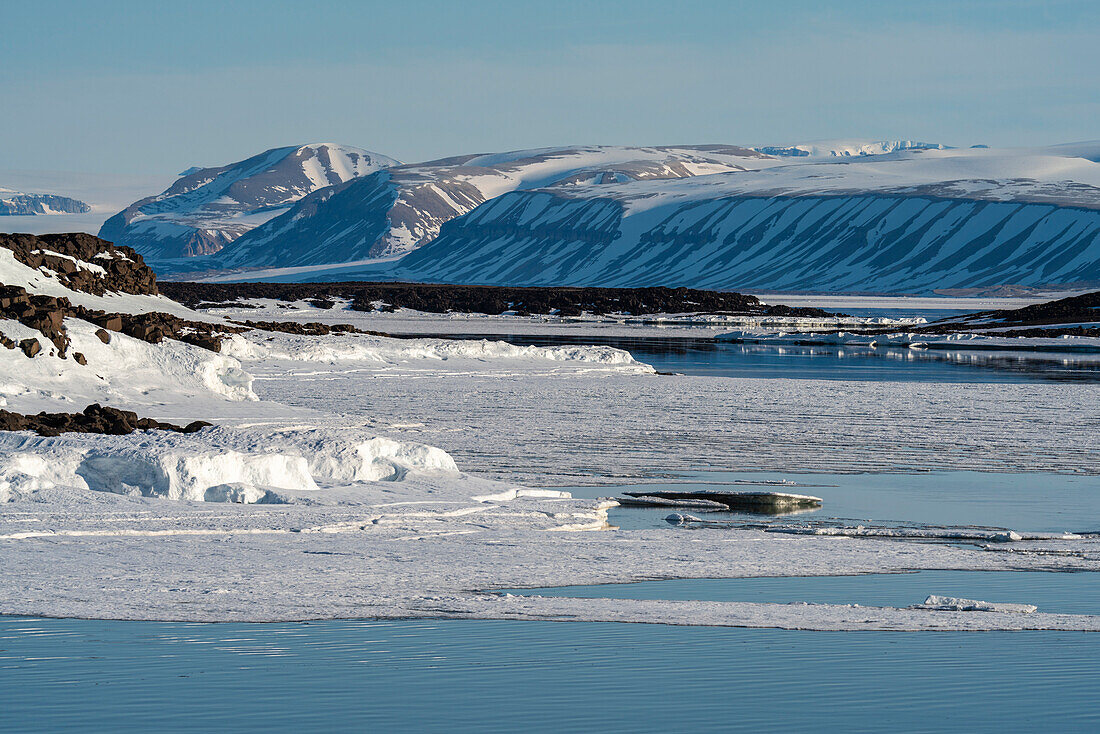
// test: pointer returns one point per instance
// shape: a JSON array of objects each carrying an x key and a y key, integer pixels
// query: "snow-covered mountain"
[
  {"x": 207, "y": 208},
  {"x": 846, "y": 148},
  {"x": 14, "y": 203},
  {"x": 905, "y": 222},
  {"x": 395, "y": 211}
]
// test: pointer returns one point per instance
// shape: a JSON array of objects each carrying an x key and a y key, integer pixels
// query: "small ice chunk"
[
  {"x": 758, "y": 502},
  {"x": 1006, "y": 537},
  {"x": 954, "y": 604},
  {"x": 240, "y": 493}
]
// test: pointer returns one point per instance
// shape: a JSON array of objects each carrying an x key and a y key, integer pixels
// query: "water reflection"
[{"x": 705, "y": 356}]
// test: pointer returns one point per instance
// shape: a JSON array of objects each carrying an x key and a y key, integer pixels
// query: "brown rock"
[
  {"x": 126, "y": 272},
  {"x": 80, "y": 358},
  {"x": 104, "y": 335},
  {"x": 30, "y": 347},
  {"x": 93, "y": 419}
]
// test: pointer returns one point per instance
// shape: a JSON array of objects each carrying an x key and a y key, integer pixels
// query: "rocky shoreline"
[{"x": 438, "y": 298}]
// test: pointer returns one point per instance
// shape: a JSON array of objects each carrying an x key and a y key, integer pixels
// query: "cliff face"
[
  {"x": 875, "y": 243},
  {"x": 16, "y": 204}
]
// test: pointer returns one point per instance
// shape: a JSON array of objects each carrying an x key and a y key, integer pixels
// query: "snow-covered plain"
[{"x": 362, "y": 476}]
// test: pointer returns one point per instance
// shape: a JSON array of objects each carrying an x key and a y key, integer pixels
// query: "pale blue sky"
[{"x": 150, "y": 87}]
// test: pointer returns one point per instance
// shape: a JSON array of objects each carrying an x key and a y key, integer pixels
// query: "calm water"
[
  {"x": 1063, "y": 593},
  {"x": 716, "y": 359},
  {"x": 1026, "y": 502},
  {"x": 489, "y": 676}
]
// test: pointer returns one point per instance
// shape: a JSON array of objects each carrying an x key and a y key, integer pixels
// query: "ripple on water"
[{"x": 461, "y": 675}]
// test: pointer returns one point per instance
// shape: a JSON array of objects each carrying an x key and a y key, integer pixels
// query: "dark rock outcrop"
[
  {"x": 155, "y": 327},
  {"x": 117, "y": 269},
  {"x": 30, "y": 347},
  {"x": 94, "y": 419},
  {"x": 434, "y": 298},
  {"x": 1083, "y": 309},
  {"x": 308, "y": 328},
  {"x": 47, "y": 314}
]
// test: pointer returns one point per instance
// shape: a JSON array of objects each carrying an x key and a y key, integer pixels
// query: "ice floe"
[{"x": 953, "y": 604}]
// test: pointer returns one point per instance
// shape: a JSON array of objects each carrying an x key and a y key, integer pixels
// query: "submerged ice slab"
[{"x": 763, "y": 502}]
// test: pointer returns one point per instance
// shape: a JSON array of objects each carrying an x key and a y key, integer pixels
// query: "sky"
[{"x": 154, "y": 88}]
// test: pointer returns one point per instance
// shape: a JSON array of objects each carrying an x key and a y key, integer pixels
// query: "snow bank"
[
  {"x": 387, "y": 351},
  {"x": 126, "y": 372},
  {"x": 187, "y": 475},
  {"x": 217, "y": 464},
  {"x": 351, "y": 458}
]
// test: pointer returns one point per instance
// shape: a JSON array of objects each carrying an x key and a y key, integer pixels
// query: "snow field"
[{"x": 319, "y": 495}]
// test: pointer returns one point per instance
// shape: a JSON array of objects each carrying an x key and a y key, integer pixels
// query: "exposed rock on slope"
[
  {"x": 13, "y": 203},
  {"x": 397, "y": 210},
  {"x": 82, "y": 262},
  {"x": 93, "y": 419},
  {"x": 846, "y": 148},
  {"x": 210, "y": 207}
]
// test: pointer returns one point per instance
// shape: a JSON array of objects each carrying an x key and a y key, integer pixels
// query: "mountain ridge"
[
  {"x": 403, "y": 208},
  {"x": 207, "y": 208},
  {"x": 16, "y": 203}
]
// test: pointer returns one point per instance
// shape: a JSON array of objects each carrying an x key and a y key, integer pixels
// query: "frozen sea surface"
[
  {"x": 589, "y": 429},
  {"x": 493, "y": 676}
]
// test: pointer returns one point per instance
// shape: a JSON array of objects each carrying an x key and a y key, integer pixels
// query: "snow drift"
[{"x": 216, "y": 464}]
